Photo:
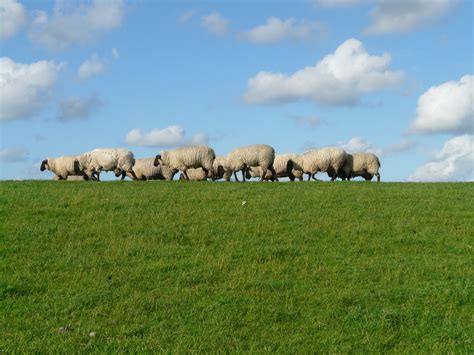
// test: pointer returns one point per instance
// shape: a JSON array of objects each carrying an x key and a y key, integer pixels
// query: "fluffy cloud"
[
  {"x": 454, "y": 162},
  {"x": 14, "y": 154},
  {"x": 215, "y": 23},
  {"x": 275, "y": 30},
  {"x": 405, "y": 15},
  {"x": 71, "y": 25},
  {"x": 338, "y": 79},
  {"x": 338, "y": 3},
  {"x": 115, "y": 53},
  {"x": 170, "y": 136},
  {"x": 311, "y": 121},
  {"x": 12, "y": 18},
  {"x": 447, "y": 108},
  {"x": 91, "y": 67},
  {"x": 358, "y": 144},
  {"x": 186, "y": 16},
  {"x": 25, "y": 88},
  {"x": 400, "y": 147},
  {"x": 78, "y": 108}
]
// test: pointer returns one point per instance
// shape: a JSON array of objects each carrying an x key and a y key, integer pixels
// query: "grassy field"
[{"x": 134, "y": 266}]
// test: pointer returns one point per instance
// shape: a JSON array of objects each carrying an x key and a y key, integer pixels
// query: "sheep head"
[
  {"x": 44, "y": 165},
  {"x": 157, "y": 160}
]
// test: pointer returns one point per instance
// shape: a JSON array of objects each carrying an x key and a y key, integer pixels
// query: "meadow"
[{"x": 233, "y": 267}]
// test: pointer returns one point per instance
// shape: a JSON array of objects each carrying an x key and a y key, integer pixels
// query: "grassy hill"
[{"x": 175, "y": 266}]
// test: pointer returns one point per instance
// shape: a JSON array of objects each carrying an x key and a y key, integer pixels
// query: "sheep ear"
[{"x": 43, "y": 165}]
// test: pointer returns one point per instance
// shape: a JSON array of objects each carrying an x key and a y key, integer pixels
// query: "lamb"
[
  {"x": 284, "y": 166},
  {"x": 144, "y": 169},
  {"x": 329, "y": 159},
  {"x": 62, "y": 167},
  {"x": 360, "y": 164},
  {"x": 182, "y": 159},
  {"x": 119, "y": 160},
  {"x": 242, "y": 158}
]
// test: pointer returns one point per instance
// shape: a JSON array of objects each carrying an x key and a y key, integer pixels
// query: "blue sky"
[{"x": 391, "y": 77}]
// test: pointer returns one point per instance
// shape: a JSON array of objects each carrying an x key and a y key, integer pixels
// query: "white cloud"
[
  {"x": 446, "y": 108},
  {"x": 25, "y": 88},
  {"x": 338, "y": 79},
  {"x": 215, "y": 23},
  {"x": 400, "y": 147},
  {"x": 71, "y": 25},
  {"x": 14, "y": 154},
  {"x": 170, "y": 136},
  {"x": 311, "y": 121},
  {"x": 275, "y": 30},
  {"x": 78, "y": 108},
  {"x": 339, "y": 3},
  {"x": 359, "y": 144},
  {"x": 91, "y": 67},
  {"x": 12, "y": 18},
  {"x": 454, "y": 162},
  {"x": 115, "y": 53},
  {"x": 401, "y": 16},
  {"x": 186, "y": 16}
]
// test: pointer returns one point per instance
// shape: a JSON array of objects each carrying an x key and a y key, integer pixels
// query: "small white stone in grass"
[
  {"x": 92, "y": 334},
  {"x": 244, "y": 203}
]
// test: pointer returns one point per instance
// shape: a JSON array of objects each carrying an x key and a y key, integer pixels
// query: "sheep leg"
[
  {"x": 123, "y": 175},
  {"x": 134, "y": 176},
  {"x": 235, "y": 176},
  {"x": 309, "y": 176},
  {"x": 378, "y": 177},
  {"x": 207, "y": 173},
  {"x": 243, "y": 174},
  {"x": 186, "y": 175},
  {"x": 274, "y": 174},
  {"x": 264, "y": 173}
]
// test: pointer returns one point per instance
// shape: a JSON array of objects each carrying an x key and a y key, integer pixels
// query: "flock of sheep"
[{"x": 200, "y": 163}]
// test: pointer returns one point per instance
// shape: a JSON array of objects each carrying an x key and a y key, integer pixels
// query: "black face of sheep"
[
  {"x": 156, "y": 162},
  {"x": 247, "y": 174},
  {"x": 44, "y": 164},
  {"x": 118, "y": 172},
  {"x": 77, "y": 167}
]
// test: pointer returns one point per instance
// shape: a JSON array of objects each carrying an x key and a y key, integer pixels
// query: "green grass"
[{"x": 328, "y": 267}]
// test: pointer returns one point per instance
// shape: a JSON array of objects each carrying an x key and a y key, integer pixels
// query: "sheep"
[
  {"x": 360, "y": 164},
  {"x": 62, "y": 167},
  {"x": 284, "y": 166},
  {"x": 119, "y": 160},
  {"x": 199, "y": 175},
  {"x": 242, "y": 158},
  {"x": 144, "y": 169},
  {"x": 328, "y": 159},
  {"x": 182, "y": 159}
]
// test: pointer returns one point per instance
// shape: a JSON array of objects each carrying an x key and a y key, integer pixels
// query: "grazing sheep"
[
  {"x": 199, "y": 175},
  {"x": 119, "y": 160},
  {"x": 284, "y": 166},
  {"x": 360, "y": 164},
  {"x": 182, "y": 159},
  {"x": 329, "y": 159},
  {"x": 241, "y": 159},
  {"x": 144, "y": 169},
  {"x": 62, "y": 167}
]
